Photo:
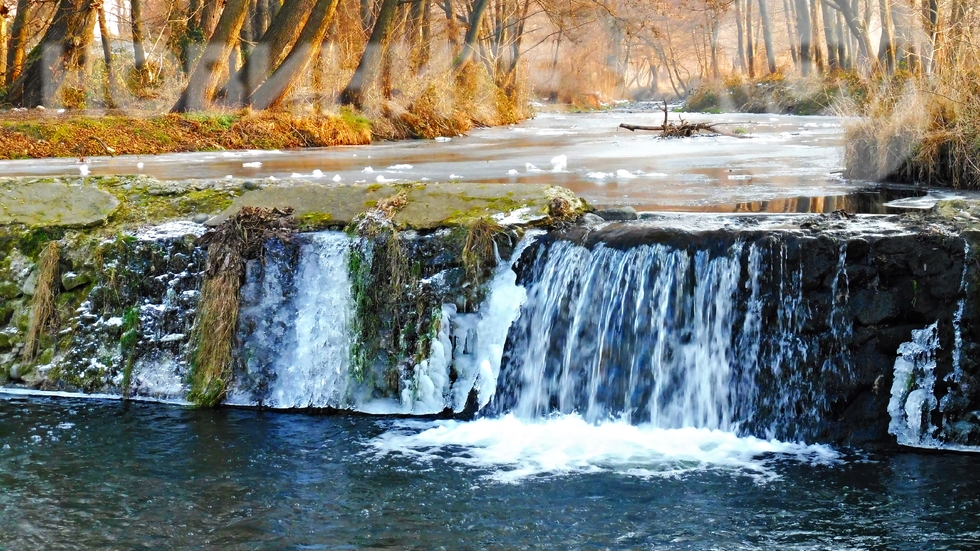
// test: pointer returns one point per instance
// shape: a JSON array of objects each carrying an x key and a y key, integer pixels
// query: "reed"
[{"x": 43, "y": 301}]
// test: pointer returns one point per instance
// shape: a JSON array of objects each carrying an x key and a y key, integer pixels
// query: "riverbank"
[
  {"x": 776, "y": 94},
  {"x": 924, "y": 134},
  {"x": 38, "y": 134}
]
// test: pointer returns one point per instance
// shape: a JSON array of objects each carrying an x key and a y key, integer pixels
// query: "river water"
[
  {"x": 100, "y": 474},
  {"x": 787, "y": 164}
]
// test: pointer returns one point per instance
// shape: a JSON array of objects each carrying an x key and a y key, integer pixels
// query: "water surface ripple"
[{"x": 90, "y": 474}]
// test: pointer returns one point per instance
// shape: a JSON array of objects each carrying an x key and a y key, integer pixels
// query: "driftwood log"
[{"x": 682, "y": 128}]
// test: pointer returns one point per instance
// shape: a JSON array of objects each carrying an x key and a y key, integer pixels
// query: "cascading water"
[
  {"x": 295, "y": 337},
  {"x": 673, "y": 337},
  {"x": 644, "y": 334}
]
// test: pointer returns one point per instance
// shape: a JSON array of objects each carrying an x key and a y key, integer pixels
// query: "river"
[
  {"x": 572, "y": 452},
  {"x": 97, "y": 475},
  {"x": 787, "y": 164}
]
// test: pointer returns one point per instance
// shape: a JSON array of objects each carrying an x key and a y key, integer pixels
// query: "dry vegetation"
[
  {"x": 230, "y": 246},
  {"x": 43, "y": 301}
]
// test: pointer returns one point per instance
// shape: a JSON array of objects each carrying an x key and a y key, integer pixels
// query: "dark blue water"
[{"x": 101, "y": 475}]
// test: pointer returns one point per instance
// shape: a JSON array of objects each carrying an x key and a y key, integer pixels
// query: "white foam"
[
  {"x": 400, "y": 167},
  {"x": 598, "y": 175},
  {"x": 559, "y": 163},
  {"x": 511, "y": 449},
  {"x": 443, "y": 139},
  {"x": 622, "y": 173},
  {"x": 256, "y": 164}
]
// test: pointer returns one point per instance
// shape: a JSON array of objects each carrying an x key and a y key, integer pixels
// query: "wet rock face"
[{"x": 105, "y": 288}]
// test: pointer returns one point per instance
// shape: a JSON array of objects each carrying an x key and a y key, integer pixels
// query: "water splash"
[{"x": 511, "y": 450}]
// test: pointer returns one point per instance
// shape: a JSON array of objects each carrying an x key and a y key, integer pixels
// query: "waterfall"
[
  {"x": 676, "y": 337},
  {"x": 295, "y": 340},
  {"x": 295, "y": 336},
  {"x": 643, "y": 334}
]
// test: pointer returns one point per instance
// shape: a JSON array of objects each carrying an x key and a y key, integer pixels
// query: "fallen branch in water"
[{"x": 682, "y": 128}]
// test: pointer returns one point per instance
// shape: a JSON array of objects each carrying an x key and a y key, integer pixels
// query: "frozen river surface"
[{"x": 787, "y": 164}]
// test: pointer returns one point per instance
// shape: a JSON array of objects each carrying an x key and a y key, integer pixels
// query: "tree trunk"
[
  {"x": 803, "y": 26},
  {"x": 269, "y": 53},
  {"x": 857, "y": 27},
  {"x": 843, "y": 43},
  {"x": 472, "y": 32},
  {"x": 767, "y": 35},
  {"x": 902, "y": 40},
  {"x": 886, "y": 53},
  {"x": 367, "y": 68},
  {"x": 829, "y": 33},
  {"x": 815, "y": 49},
  {"x": 139, "y": 55},
  {"x": 715, "y": 28},
  {"x": 749, "y": 41},
  {"x": 3, "y": 40},
  {"x": 204, "y": 80},
  {"x": 278, "y": 86},
  {"x": 791, "y": 31},
  {"x": 931, "y": 20},
  {"x": 63, "y": 48},
  {"x": 18, "y": 42},
  {"x": 107, "y": 54},
  {"x": 194, "y": 13},
  {"x": 367, "y": 15},
  {"x": 210, "y": 17},
  {"x": 418, "y": 40},
  {"x": 261, "y": 20},
  {"x": 740, "y": 33}
]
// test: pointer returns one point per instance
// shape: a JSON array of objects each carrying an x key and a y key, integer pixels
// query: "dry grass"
[
  {"x": 479, "y": 250},
  {"x": 920, "y": 133},
  {"x": 31, "y": 135},
  {"x": 42, "y": 304},
  {"x": 229, "y": 246}
]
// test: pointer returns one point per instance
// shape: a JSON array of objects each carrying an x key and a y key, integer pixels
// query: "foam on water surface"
[{"x": 512, "y": 450}]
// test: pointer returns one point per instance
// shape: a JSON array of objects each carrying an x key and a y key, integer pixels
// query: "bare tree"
[
  {"x": 136, "y": 18},
  {"x": 107, "y": 55},
  {"x": 767, "y": 35},
  {"x": 17, "y": 42},
  {"x": 203, "y": 82},
  {"x": 886, "y": 52},
  {"x": 62, "y": 49},
  {"x": 272, "y": 92},
  {"x": 370, "y": 63},
  {"x": 4, "y": 15}
]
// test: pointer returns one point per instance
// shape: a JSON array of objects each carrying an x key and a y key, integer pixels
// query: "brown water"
[{"x": 789, "y": 164}]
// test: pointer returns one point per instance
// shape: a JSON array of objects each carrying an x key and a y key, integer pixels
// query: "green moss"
[
  {"x": 31, "y": 242},
  {"x": 314, "y": 221},
  {"x": 127, "y": 345}
]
